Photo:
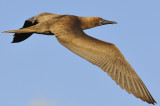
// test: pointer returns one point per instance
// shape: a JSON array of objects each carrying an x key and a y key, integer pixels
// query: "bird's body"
[{"x": 68, "y": 30}]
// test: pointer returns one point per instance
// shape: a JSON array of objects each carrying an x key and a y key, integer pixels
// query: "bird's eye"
[{"x": 101, "y": 21}]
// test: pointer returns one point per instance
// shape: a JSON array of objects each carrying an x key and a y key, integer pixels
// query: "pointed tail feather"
[{"x": 24, "y": 30}]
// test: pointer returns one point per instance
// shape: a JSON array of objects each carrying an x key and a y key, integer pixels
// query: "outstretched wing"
[
  {"x": 18, "y": 37},
  {"x": 108, "y": 57}
]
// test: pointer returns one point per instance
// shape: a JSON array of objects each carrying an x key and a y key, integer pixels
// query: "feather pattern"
[{"x": 108, "y": 57}]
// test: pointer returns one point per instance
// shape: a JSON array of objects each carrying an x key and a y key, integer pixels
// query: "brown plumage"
[
  {"x": 18, "y": 37},
  {"x": 68, "y": 29}
]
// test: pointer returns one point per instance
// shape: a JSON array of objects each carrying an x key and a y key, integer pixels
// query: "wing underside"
[{"x": 108, "y": 57}]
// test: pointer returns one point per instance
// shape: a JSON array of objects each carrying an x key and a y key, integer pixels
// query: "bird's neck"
[{"x": 88, "y": 22}]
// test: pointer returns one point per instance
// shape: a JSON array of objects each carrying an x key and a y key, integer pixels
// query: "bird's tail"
[
  {"x": 32, "y": 29},
  {"x": 24, "y": 30}
]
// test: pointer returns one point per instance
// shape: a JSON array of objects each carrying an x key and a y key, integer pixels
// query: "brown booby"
[{"x": 68, "y": 30}]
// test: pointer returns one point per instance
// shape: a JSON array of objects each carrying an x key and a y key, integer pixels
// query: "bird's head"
[{"x": 90, "y": 22}]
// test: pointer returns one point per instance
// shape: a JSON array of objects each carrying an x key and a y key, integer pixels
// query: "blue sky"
[{"x": 41, "y": 70}]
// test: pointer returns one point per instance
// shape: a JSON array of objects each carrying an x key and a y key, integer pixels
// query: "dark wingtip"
[
  {"x": 152, "y": 102},
  {"x": 14, "y": 42},
  {"x": 20, "y": 37}
]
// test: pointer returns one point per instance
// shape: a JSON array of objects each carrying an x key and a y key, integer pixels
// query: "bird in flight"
[{"x": 68, "y": 29}]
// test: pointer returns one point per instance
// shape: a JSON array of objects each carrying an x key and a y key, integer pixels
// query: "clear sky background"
[{"x": 41, "y": 71}]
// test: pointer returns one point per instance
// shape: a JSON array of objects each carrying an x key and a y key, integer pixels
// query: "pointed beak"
[{"x": 103, "y": 22}]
